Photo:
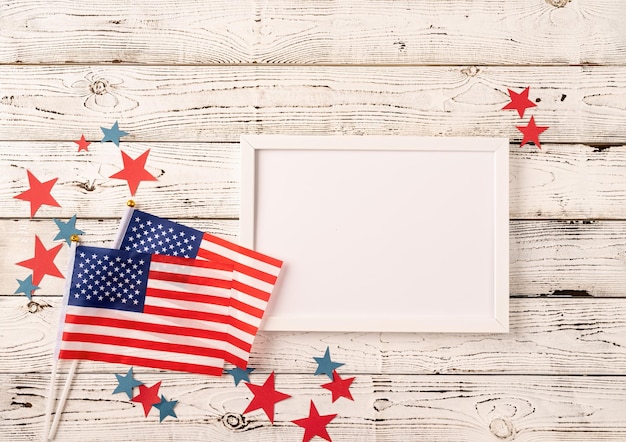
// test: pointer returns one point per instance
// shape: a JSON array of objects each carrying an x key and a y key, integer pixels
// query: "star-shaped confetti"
[
  {"x": 265, "y": 397},
  {"x": 26, "y": 286},
  {"x": 114, "y": 134},
  {"x": 315, "y": 424},
  {"x": 166, "y": 408},
  {"x": 240, "y": 374},
  {"x": 519, "y": 102},
  {"x": 339, "y": 387},
  {"x": 82, "y": 144},
  {"x": 38, "y": 194},
  {"x": 134, "y": 171},
  {"x": 531, "y": 132},
  {"x": 148, "y": 396},
  {"x": 125, "y": 384},
  {"x": 325, "y": 365},
  {"x": 67, "y": 230},
  {"x": 43, "y": 262}
]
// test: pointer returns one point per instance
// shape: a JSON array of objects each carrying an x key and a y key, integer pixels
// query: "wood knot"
[
  {"x": 558, "y": 3},
  {"x": 382, "y": 404},
  {"x": 99, "y": 87},
  {"x": 502, "y": 428},
  {"x": 89, "y": 186},
  {"x": 234, "y": 421},
  {"x": 471, "y": 71},
  {"x": 34, "y": 307}
]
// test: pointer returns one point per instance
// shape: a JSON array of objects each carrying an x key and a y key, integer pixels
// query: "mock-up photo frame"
[{"x": 380, "y": 233}]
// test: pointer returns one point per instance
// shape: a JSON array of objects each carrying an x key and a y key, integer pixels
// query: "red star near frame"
[
  {"x": 519, "y": 102},
  {"x": 315, "y": 425},
  {"x": 134, "y": 171},
  {"x": 82, "y": 144},
  {"x": 43, "y": 262},
  {"x": 38, "y": 194},
  {"x": 339, "y": 387},
  {"x": 531, "y": 132},
  {"x": 265, "y": 397},
  {"x": 148, "y": 396}
]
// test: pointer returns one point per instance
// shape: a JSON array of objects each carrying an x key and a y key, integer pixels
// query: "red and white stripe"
[
  {"x": 184, "y": 325},
  {"x": 255, "y": 276}
]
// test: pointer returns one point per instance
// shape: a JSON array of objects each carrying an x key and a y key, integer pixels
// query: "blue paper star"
[
  {"x": 113, "y": 134},
  {"x": 166, "y": 408},
  {"x": 66, "y": 230},
  {"x": 126, "y": 383},
  {"x": 26, "y": 286},
  {"x": 325, "y": 365},
  {"x": 239, "y": 374}
]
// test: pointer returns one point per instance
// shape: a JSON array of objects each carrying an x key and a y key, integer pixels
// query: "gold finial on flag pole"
[
  {"x": 75, "y": 238},
  {"x": 130, "y": 203}
]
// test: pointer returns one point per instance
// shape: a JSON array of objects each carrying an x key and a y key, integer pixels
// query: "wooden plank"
[
  {"x": 201, "y": 180},
  {"x": 548, "y": 336},
  {"x": 554, "y": 258},
  {"x": 568, "y": 258},
  {"x": 385, "y": 408},
  {"x": 194, "y": 180},
  {"x": 17, "y": 244},
  {"x": 187, "y": 103},
  {"x": 573, "y": 181},
  {"x": 315, "y": 31}
]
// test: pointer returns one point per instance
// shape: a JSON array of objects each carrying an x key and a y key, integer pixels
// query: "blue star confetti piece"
[
  {"x": 240, "y": 375},
  {"x": 166, "y": 408},
  {"x": 26, "y": 286},
  {"x": 112, "y": 134},
  {"x": 66, "y": 230},
  {"x": 126, "y": 383},
  {"x": 325, "y": 365}
]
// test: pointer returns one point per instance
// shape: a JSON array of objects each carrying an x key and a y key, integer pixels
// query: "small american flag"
[
  {"x": 255, "y": 274},
  {"x": 147, "y": 310}
]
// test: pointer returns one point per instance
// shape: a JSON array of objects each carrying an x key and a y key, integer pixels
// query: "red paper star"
[
  {"x": 265, "y": 397},
  {"x": 38, "y": 194},
  {"x": 339, "y": 387},
  {"x": 531, "y": 132},
  {"x": 520, "y": 102},
  {"x": 43, "y": 262},
  {"x": 315, "y": 425},
  {"x": 148, "y": 396},
  {"x": 134, "y": 171},
  {"x": 82, "y": 144}
]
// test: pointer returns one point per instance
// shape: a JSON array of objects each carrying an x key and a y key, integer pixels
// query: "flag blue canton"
[
  {"x": 107, "y": 278},
  {"x": 150, "y": 234}
]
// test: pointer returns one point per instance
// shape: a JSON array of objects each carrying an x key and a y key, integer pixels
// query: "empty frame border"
[{"x": 251, "y": 145}]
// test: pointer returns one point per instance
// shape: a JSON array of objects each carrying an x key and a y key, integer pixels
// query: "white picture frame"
[{"x": 380, "y": 233}]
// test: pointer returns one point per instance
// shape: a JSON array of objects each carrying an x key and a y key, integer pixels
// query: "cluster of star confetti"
[
  {"x": 520, "y": 103},
  {"x": 266, "y": 396},
  {"x": 148, "y": 397},
  {"x": 39, "y": 193}
]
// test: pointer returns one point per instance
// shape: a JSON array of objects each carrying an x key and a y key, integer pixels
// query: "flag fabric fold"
[
  {"x": 254, "y": 274},
  {"x": 148, "y": 310}
]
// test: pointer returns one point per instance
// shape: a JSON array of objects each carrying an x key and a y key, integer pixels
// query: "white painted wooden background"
[{"x": 187, "y": 78}]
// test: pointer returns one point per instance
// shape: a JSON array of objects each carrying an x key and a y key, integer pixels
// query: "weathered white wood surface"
[
  {"x": 386, "y": 408},
  {"x": 201, "y": 180},
  {"x": 195, "y": 103},
  {"x": 422, "y": 32},
  {"x": 558, "y": 258},
  {"x": 548, "y": 336},
  {"x": 199, "y": 74}
]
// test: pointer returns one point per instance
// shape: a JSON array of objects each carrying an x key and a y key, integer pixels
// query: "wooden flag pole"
[
  {"x": 130, "y": 204},
  {"x": 63, "y": 398},
  {"x": 55, "y": 357},
  {"x": 51, "y": 395}
]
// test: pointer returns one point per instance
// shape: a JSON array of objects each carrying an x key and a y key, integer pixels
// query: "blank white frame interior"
[{"x": 381, "y": 234}]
